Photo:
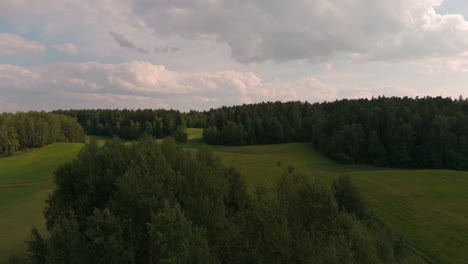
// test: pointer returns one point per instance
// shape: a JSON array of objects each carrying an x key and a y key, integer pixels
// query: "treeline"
[
  {"x": 398, "y": 132},
  {"x": 35, "y": 129},
  {"x": 264, "y": 123},
  {"x": 152, "y": 202},
  {"x": 133, "y": 124}
]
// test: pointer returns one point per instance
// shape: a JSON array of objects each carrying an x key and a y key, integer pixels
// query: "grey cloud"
[
  {"x": 257, "y": 30},
  {"x": 126, "y": 43},
  {"x": 166, "y": 49},
  {"x": 315, "y": 30}
]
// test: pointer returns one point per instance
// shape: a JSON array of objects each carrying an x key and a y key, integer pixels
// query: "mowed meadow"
[
  {"x": 26, "y": 179},
  {"x": 430, "y": 207}
]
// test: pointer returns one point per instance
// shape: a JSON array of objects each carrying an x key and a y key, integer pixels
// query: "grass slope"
[
  {"x": 429, "y": 206},
  {"x": 26, "y": 179}
]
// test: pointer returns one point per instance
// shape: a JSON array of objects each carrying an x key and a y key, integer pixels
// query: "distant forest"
[
  {"x": 429, "y": 132},
  {"x": 391, "y": 132},
  {"x": 35, "y": 129},
  {"x": 131, "y": 124}
]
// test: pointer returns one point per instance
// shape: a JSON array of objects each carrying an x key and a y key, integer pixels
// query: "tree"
[
  {"x": 375, "y": 149},
  {"x": 154, "y": 202},
  {"x": 175, "y": 240},
  {"x": 349, "y": 198}
]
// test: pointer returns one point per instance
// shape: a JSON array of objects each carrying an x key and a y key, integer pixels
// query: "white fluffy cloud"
[
  {"x": 11, "y": 44},
  {"x": 141, "y": 84}
]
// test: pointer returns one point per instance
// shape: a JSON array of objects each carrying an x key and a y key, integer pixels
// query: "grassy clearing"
[
  {"x": 194, "y": 138},
  {"x": 26, "y": 179},
  {"x": 429, "y": 206}
]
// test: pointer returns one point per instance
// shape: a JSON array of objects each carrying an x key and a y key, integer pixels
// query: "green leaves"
[
  {"x": 35, "y": 129},
  {"x": 174, "y": 239},
  {"x": 153, "y": 202}
]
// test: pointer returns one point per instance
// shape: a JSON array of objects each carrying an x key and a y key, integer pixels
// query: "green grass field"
[
  {"x": 26, "y": 179},
  {"x": 429, "y": 206}
]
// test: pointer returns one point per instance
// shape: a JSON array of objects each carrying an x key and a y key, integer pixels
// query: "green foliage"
[
  {"x": 35, "y": 129},
  {"x": 133, "y": 124},
  {"x": 350, "y": 199},
  {"x": 152, "y": 202},
  {"x": 394, "y": 132},
  {"x": 65, "y": 244},
  {"x": 174, "y": 239},
  {"x": 37, "y": 248}
]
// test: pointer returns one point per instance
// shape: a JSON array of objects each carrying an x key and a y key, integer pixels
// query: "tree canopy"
[
  {"x": 151, "y": 202},
  {"x": 393, "y": 132},
  {"x": 35, "y": 129},
  {"x": 133, "y": 124}
]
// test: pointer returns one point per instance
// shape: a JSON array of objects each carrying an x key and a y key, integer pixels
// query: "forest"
[
  {"x": 152, "y": 202},
  {"x": 130, "y": 124},
  {"x": 35, "y": 129},
  {"x": 429, "y": 132}
]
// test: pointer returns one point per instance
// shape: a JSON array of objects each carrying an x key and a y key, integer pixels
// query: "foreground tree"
[{"x": 153, "y": 202}]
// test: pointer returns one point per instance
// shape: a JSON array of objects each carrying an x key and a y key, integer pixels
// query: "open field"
[
  {"x": 429, "y": 206},
  {"x": 26, "y": 179}
]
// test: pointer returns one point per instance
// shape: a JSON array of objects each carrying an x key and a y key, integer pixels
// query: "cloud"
[
  {"x": 126, "y": 43},
  {"x": 316, "y": 30},
  {"x": 140, "y": 84},
  {"x": 67, "y": 48},
  {"x": 255, "y": 31},
  {"x": 11, "y": 44},
  {"x": 166, "y": 49},
  {"x": 451, "y": 64}
]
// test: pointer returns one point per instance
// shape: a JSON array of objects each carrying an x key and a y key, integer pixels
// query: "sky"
[{"x": 201, "y": 54}]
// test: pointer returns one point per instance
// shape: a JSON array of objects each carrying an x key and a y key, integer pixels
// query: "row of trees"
[
  {"x": 152, "y": 202},
  {"x": 399, "y": 132},
  {"x": 35, "y": 129},
  {"x": 263, "y": 123},
  {"x": 132, "y": 124}
]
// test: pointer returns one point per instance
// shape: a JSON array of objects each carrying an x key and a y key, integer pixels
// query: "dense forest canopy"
[
  {"x": 429, "y": 132},
  {"x": 35, "y": 129},
  {"x": 153, "y": 202},
  {"x": 131, "y": 124},
  {"x": 397, "y": 132}
]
